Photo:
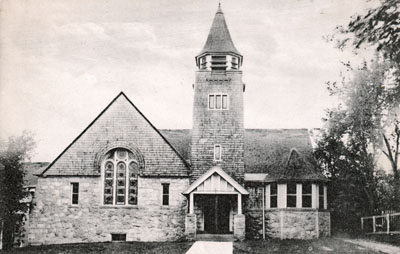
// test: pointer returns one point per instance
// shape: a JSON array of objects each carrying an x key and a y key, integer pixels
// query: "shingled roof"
[
  {"x": 281, "y": 154},
  {"x": 219, "y": 39}
]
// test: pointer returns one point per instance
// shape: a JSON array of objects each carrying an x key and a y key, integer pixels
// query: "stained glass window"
[
  {"x": 121, "y": 171},
  {"x": 133, "y": 175}
]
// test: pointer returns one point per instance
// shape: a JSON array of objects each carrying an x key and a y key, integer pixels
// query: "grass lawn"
[
  {"x": 106, "y": 248},
  {"x": 327, "y": 245}
]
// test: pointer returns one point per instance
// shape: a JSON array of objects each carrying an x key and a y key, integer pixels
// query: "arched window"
[{"x": 121, "y": 171}]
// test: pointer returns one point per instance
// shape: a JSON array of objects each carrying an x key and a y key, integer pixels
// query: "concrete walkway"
[
  {"x": 386, "y": 248},
  {"x": 200, "y": 247}
]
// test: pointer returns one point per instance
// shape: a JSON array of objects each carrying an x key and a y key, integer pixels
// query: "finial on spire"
[{"x": 219, "y": 7}]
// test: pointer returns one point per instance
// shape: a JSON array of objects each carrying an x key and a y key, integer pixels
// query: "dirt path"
[{"x": 383, "y": 247}]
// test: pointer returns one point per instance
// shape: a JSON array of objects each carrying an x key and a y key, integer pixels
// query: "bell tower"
[{"x": 217, "y": 134}]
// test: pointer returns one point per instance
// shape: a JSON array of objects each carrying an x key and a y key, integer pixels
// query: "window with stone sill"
[
  {"x": 74, "y": 193},
  {"x": 121, "y": 171},
  {"x": 165, "y": 194}
]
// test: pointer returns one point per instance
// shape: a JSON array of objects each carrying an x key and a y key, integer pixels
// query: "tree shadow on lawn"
[
  {"x": 107, "y": 248},
  {"x": 325, "y": 245}
]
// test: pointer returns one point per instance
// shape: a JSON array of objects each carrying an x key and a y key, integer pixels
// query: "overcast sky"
[{"x": 63, "y": 61}]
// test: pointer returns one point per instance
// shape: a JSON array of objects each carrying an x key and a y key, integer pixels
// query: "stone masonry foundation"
[
  {"x": 289, "y": 223},
  {"x": 54, "y": 220}
]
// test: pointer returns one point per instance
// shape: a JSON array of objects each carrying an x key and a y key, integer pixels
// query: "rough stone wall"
[
  {"x": 324, "y": 224},
  {"x": 295, "y": 223},
  {"x": 54, "y": 220},
  {"x": 224, "y": 127}
]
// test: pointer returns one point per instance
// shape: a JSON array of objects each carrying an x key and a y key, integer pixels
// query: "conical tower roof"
[{"x": 219, "y": 39}]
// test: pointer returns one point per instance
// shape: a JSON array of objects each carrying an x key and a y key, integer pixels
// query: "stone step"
[{"x": 215, "y": 237}]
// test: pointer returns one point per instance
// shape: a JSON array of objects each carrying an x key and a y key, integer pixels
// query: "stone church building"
[{"x": 124, "y": 179}]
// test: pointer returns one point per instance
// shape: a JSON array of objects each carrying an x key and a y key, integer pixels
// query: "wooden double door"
[{"x": 216, "y": 213}]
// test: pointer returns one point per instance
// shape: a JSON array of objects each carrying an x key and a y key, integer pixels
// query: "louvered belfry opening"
[{"x": 218, "y": 63}]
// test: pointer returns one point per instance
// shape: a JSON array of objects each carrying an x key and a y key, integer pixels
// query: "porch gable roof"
[{"x": 208, "y": 175}]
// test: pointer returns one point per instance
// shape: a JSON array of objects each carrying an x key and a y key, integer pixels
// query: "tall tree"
[
  {"x": 348, "y": 149},
  {"x": 380, "y": 27},
  {"x": 12, "y": 154}
]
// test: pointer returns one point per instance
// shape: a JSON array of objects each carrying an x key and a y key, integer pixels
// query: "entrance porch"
[{"x": 215, "y": 205}]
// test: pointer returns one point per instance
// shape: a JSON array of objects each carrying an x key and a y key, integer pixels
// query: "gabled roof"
[
  {"x": 266, "y": 152},
  {"x": 83, "y": 164},
  {"x": 219, "y": 39},
  {"x": 222, "y": 174}
]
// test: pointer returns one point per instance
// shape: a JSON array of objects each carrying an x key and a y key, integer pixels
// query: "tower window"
[
  {"x": 224, "y": 101},
  {"x": 218, "y": 101},
  {"x": 217, "y": 152}
]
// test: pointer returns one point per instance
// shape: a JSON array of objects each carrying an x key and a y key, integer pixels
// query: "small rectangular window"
[
  {"x": 291, "y": 194},
  {"x": 321, "y": 196},
  {"x": 217, "y": 152},
  {"x": 118, "y": 237},
  {"x": 218, "y": 102},
  {"x": 307, "y": 195},
  {"x": 211, "y": 102},
  {"x": 165, "y": 193},
  {"x": 74, "y": 193},
  {"x": 224, "y": 101},
  {"x": 274, "y": 195}
]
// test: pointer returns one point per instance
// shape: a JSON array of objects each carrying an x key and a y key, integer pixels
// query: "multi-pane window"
[
  {"x": 74, "y": 193},
  {"x": 217, "y": 152},
  {"x": 307, "y": 194},
  {"x": 120, "y": 178},
  {"x": 218, "y": 101},
  {"x": 273, "y": 195},
  {"x": 165, "y": 193},
  {"x": 291, "y": 194},
  {"x": 321, "y": 196},
  {"x": 255, "y": 199}
]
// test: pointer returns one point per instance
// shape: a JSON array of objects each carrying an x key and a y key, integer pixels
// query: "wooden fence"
[{"x": 381, "y": 224}]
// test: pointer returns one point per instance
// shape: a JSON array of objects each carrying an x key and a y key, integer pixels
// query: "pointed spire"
[{"x": 219, "y": 39}]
